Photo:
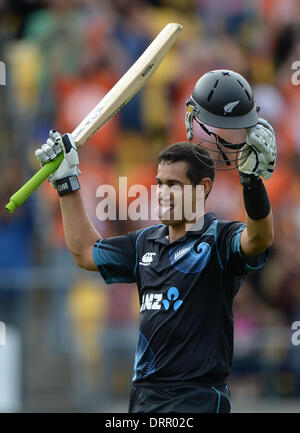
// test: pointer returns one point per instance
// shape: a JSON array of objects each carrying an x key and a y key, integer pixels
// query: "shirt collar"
[{"x": 163, "y": 230}]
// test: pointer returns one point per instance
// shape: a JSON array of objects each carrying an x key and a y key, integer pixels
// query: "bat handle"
[{"x": 23, "y": 193}]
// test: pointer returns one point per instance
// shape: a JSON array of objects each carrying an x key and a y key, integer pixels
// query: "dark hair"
[{"x": 200, "y": 163}]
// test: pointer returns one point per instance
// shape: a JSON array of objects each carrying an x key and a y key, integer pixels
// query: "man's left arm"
[
  {"x": 257, "y": 236},
  {"x": 258, "y": 159}
]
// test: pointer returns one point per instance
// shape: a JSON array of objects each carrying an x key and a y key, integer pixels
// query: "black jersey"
[{"x": 186, "y": 290}]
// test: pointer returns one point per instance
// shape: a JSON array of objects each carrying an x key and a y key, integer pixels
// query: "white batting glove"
[
  {"x": 53, "y": 147},
  {"x": 261, "y": 160}
]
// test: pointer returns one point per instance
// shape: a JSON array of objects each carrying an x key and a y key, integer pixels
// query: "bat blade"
[
  {"x": 130, "y": 83},
  {"x": 133, "y": 80}
]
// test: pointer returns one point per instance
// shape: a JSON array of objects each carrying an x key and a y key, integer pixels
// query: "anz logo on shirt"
[{"x": 155, "y": 301}]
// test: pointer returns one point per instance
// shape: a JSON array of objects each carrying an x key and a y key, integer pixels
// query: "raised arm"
[
  {"x": 258, "y": 234},
  {"x": 80, "y": 233}
]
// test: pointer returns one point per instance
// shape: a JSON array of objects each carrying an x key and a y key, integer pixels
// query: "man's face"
[
  {"x": 176, "y": 196},
  {"x": 206, "y": 136}
]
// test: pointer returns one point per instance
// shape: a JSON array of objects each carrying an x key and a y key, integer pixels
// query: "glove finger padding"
[
  {"x": 55, "y": 136},
  {"x": 266, "y": 124},
  {"x": 41, "y": 156},
  {"x": 261, "y": 161},
  {"x": 53, "y": 147},
  {"x": 48, "y": 149}
]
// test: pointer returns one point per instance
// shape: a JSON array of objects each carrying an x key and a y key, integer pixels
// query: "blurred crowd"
[{"x": 61, "y": 57}]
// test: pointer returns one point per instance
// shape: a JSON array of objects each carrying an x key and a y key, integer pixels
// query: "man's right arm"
[
  {"x": 115, "y": 257},
  {"x": 80, "y": 233}
]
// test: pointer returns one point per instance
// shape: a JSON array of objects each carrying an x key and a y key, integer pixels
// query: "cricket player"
[{"x": 186, "y": 277}]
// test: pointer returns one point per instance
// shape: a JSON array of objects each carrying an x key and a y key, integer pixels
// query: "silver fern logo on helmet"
[{"x": 230, "y": 106}]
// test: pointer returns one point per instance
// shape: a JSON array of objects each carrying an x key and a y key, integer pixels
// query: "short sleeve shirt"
[{"x": 186, "y": 290}]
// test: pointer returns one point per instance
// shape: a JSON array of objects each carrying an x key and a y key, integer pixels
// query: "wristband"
[
  {"x": 67, "y": 185},
  {"x": 249, "y": 180},
  {"x": 256, "y": 198}
]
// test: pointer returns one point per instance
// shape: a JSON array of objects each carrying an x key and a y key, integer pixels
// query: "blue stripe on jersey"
[
  {"x": 108, "y": 255},
  {"x": 115, "y": 280},
  {"x": 235, "y": 247},
  {"x": 219, "y": 397},
  {"x": 96, "y": 252},
  {"x": 229, "y": 398},
  {"x": 216, "y": 244},
  {"x": 212, "y": 231},
  {"x": 144, "y": 362},
  {"x": 111, "y": 248}
]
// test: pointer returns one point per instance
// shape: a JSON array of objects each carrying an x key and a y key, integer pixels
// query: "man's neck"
[{"x": 177, "y": 231}]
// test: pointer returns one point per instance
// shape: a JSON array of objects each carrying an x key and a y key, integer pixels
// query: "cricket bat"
[{"x": 131, "y": 82}]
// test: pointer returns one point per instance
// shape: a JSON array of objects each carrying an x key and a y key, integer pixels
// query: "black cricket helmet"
[{"x": 219, "y": 111}]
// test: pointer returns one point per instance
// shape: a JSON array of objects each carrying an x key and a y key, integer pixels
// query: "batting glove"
[
  {"x": 260, "y": 153},
  {"x": 53, "y": 147}
]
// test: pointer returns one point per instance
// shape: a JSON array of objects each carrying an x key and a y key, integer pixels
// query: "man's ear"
[{"x": 207, "y": 184}]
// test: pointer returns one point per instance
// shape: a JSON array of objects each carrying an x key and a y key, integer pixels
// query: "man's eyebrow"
[{"x": 170, "y": 180}]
